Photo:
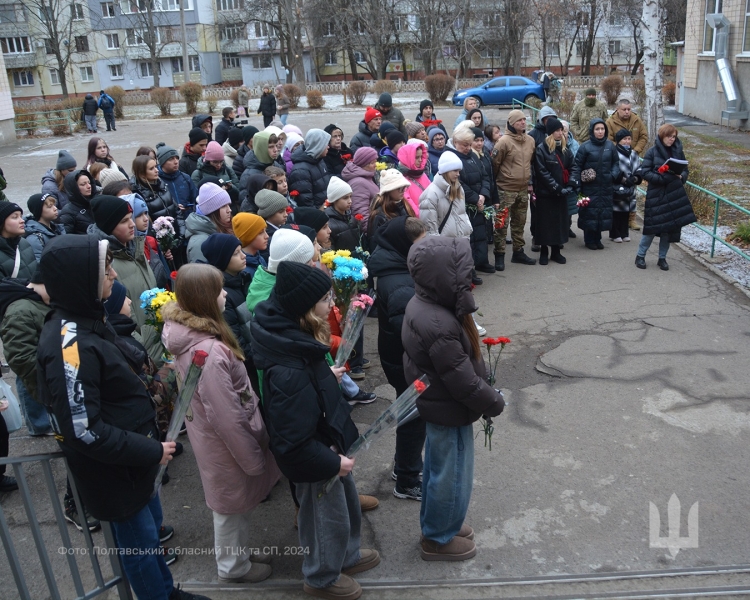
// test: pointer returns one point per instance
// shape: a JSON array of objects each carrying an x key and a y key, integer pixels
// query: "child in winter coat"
[
  {"x": 623, "y": 201},
  {"x": 17, "y": 258},
  {"x": 442, "y": 207},
  {"x": 99, "y": 152},
  {"x": 310, "y": 438},
  {"x": 212, "y": 163},
  {"x": 274, "y": 208},
  {"x": 251, "y": 231},
  {"x": 226, "y": 431},
  {"x": 40, "y": 225},
  {"x": 193, "y": 150},
  {"x": 76, "y": 215},
  {"x": 412, "y": 163},
  {"x": 389, "y": 154},
  {"x": 154, "y": 255},
  {"x": 213, "y": 214},
  {"x": 54, "y": 179},
  {"x": 345, "y": 232}
]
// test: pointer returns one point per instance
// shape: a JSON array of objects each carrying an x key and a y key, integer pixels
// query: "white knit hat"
[
  {"x": 449, "y": 162},
  {"x": 211, "y": 198},
  {"x": 289, "y": 245},
  {"x": 107, "y": 176},
  {"x": 337, "y": 188},
  {"x": 391, "y": 179}
]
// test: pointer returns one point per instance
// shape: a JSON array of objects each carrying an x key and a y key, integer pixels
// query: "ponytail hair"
[{"x": 471, "y": 331}]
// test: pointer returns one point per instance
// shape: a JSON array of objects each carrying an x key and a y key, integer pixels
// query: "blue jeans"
[
  {"x": 348, "y": 386},
  {"x": 646, "y": 244},
  {"x": 283, "y": 118},
  {"x": 142, "y": 560},
  {"x": 329, "y": 529},
  {"x": 34, "y": 413},
  {"x": 447, "y": 481}
]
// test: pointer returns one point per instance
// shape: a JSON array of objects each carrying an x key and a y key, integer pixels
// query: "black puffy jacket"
[
  {"x": 104, "y": 418},
  {"x": 76, "y": 215},
  {"x": 238, "y": 163},
  {"x": 472, "y": 177},
  {"x": 336, "y": 159},
  {"x": 255, "y": 183},
  {"x": 667, "y": 206},
  {"x": 267, "y": 106},
  {"x": 344, "y": 230},
  {"x": 221, "y": 133},
  {"x": 361, "y": 139},
  {"x": 236, "y": 313},
  {"x": 310, "y": 178},
  {"x": 90, "y": 105},
  {"x": 253, "y": 166},
  {"x": 305, "y": 411},
  {"x": 159, "y": 202},
  {"x": 601, "y": 156},
  {"x": 27, "y": 265}
]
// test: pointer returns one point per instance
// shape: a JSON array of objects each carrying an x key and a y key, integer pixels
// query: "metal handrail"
[
  {"x": 533, "y": 109},
  {"x": 52, "y": 118}
]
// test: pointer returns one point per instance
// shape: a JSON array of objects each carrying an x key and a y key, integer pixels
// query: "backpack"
[{"x": 105, "y": 103}]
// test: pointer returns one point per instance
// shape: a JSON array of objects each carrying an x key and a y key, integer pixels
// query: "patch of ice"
[{"x": 734, "y": 265}]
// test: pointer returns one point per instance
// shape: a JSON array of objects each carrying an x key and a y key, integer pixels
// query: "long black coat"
[
  {"x": 668, "y": 207},
  {"x": 601, "y": 156},
  {"x": 551, "y": 214},
  {"x": 310, "y": 178},
  {"x": 336, "y": 159},
  {"x": 267, "y": 105},
  {"x": 474, "y": 181}
]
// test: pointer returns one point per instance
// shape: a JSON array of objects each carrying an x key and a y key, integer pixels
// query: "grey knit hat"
[
  {"x": 164, "y": 153},
  {"x": 65, "y": 160},
  {"x": 269, "y": 203}
]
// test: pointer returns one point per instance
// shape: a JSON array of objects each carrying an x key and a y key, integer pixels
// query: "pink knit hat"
[
  {"x": 364, "y": 156},
  {"x": 213, "y": 152},
  {"x": 211, "y": 198}
]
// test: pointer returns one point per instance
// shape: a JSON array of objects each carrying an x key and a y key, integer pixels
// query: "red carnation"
[
  {"x": 199, "y": 358},
  {"x": 490, "y": 341},
  {"x": 289, "y": 209},
  {"x": 663, "y": 169},
  {"x": 419, "y": 386},
  {"x": 359, "y": 217},
  {"x": 502, "y": 340},
  {"x": 294, "y": 193},
  {"x": 346, "y": 157},
  {"x": 173, "y": 275}
]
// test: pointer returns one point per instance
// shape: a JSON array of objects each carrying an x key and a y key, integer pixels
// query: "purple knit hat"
[
  {"x": 211, "y": 198},
  {"x": 364, "y": 156}
]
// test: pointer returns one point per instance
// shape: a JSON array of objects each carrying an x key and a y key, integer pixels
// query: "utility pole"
[{"x": 185, "y": 60}]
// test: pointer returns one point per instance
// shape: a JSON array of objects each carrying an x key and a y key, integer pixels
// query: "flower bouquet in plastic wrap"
[
  {"x": 403, "y": 410},
  {"x": 152, "y": 301},
  {"x": 349, "y": 276},
  {"x": 354, "y": 321}
]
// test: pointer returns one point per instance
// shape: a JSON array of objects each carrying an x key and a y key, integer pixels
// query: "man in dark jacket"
[
  {"x": 180, "y": 185},
  {"x": 107, "y": 104},
  {"x": 539, "y": 133},
  {"x": 267, "y": 106},
  {"x": 395, "y": 288},
  {"x": 193, "y": 150},
  {"x": 88, "y": 111},
  {"x": 391, "y": 113},
  {"x": 310, "y": 176},
  {"x": 367, "y": 127},
  {"x": 103, "y": 416},
  {"x": 227, "y": 123},
  {"x": 205, "y": 123}
]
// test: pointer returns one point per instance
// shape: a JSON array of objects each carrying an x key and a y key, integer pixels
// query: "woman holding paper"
[{"x": 668, "y": 207}]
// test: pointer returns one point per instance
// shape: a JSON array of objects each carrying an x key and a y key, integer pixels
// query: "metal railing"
[
  {"x": 534, "y": 111},
  {"x": 59, "y": 120},
  {"x": 118, "y": 580}
]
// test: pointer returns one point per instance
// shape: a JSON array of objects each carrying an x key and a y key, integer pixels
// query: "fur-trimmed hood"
[{"x": 183, "y": 329}]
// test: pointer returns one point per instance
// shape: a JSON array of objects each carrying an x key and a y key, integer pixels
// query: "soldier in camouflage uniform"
[{"x": 587, "y": 109}]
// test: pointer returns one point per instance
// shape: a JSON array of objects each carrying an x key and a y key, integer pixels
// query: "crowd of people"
[{"x": 251, "y": 213}]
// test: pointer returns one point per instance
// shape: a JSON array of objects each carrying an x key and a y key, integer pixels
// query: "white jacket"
[{"x": 434, "y": 205}]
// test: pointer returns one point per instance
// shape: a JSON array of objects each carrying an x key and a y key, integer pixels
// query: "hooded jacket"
[
  {"x": 198, "y": 120},
  {"x": 226, "y": 431},
  {"x": 221, "y": 133},
  {"x": 183, "y": 191},
  {"x": 197, "y": 229},
  {"x": 258, "y": 159},
  {"x": 364, "y": 190},
  {"x": 539, "y": 133},
  {"x": 292, "y": 139},
  {"x": 434, "y": 340},
  {"x": 337, "y": 159},
  {"x": 668, "y": 207},
  {"x": 434, "y": 205},
  {"x": 512, "y": 159},
  {"x": 255, "y": 183},
  {"x": 27, "y": 260},
  {"x": 49, "y": 186},
  {"x": 237, "y": 164},
  {"x": 601, "y": 156},
  {"x": 260, "y": 288},
  {"x": 22, "y": 315},
  {"x": 627, "y": 180},
  {"x": 104, "y": 418},
  {"x": 90, "y": 105},
  {"x": 344, "y": 230},
  {"x": 76, "y": 216},
  {"x": 305, "y": 411},
  {"x": 236, "y": 313},
  {"x": 188, "y": 161},
  {"x": 204, "y": 170},
  {"x": 395, "y": 289},
  {"x": 361, "y": 138},
  {"x": 159, "y": 201},
  {"x": 407, "y": 157},
  {"x": 434, "y": 157},
  {"x": 309, "y": 176},
  {"x": 37, "y": 235},
  {"x": 230, "y": 153}
]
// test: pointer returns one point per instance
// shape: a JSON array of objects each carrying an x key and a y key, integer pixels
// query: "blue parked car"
[{"x": 501, "y": 90}]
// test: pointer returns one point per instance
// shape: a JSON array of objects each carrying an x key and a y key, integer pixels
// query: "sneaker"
[
  {"x": 180, "y": 594},
  {"x": 345, "y": 588},
  {"x": 459, "y": 548},
  {"x": 72, "y": 516},
  {"x": 617, "y": 240},
  {"x": 368, "y": 502},
  {"x": 366, "y": 364},
  {"x": 395, "y": 478},
  {"x": 357, "y": 373},
  {"x": 165, "y": 533},
  {"x": 258, "y": 572},
  {"x": 640, "y": 262},
  {"x": 8, "y": 483},
  {"x": 519, "y": 256},
  {"x": 170, "y": 555},
  {"x": 414, "y": 493},
  {"x": 480, "y": 330},
  {"x": 626, "y": 239},
  {"x": 363, "y": 397},
  {"x": 368, "y": 559}
]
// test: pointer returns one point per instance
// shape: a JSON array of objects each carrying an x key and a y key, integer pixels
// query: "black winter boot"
[
  {"x": 499, "y": 262},
  {"x": 519, "y": 256},
  {"x": 544, "y": 255}
]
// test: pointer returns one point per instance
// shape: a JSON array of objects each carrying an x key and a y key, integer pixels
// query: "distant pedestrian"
[
  {"x": 107, "y": 104},
  {"x": 88, "y": 112},
  {"x": 267, "y": 106}
]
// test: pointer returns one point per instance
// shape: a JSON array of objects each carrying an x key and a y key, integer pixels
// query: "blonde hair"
[
  {"x": 455, "y": 191},
  {"x": 60, "y": 179},
  {"x": 96, "y": 168},
  {"x": 552, "y": 143},
  {"x": 463, "y": 132},
  {"x": 316, "y": 326}
]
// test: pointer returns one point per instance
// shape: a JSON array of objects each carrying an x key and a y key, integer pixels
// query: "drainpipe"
[{"x": 736, "y": 107}]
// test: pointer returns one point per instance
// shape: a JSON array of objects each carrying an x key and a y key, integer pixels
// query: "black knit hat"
[
  {"x": 248, "y": 132},
  {"x": 113, "y": 304},
  {"x": 35, "y": 203},
  {"x": 235, "y": 137},
  {"x": 424, "y": 104},
  {"x": 196, "y": 135},
  {"x": 329, "y": 129},
  {"x": 394, "y": 137},
  {"x": 219, "y": 248},
  {"x": 109, "y": 211},
  {"x": 312, "y": 217},
  {"x": 7, "y": 209},
  {"x": 623, "y": 133},
  {"x": 299, "y": 287},
  {"x": 385, "y": 100},
  {"x": 478, "y": 133},
  {"x": 553, "y": 124},
  {"x": 303, "y": 229}
]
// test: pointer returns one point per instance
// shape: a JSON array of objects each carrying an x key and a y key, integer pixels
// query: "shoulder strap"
[
  {"x": 445, "y": 219},
  {"x": 17, "y": 264}
]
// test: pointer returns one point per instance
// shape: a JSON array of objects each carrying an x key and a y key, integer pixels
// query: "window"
[
  {"x": 328, "y": 29},
  {"x": 401, "y": 23},
  {"x": 359, "y": 28},
  {"x": 76, "y": 12},
  {"x": 82, "y": 43},
  {"x": 583, "y": 18},
  {"x": 49, "y": 46},
  {"x": 113, "y": 41},
  {"x": 177, "y": 65},
  {"x": 449, "y": 50},
  {"x": 228, "y": 5},
  {"x": 612, "y": 19},
  {"x": 108, "y": 9},
  {"x": 172, "y": 5},
  {"x": 23, "y": 78},
  {"x": 746, "y": 39},
  {"x": 360, "y": 58},
  {"x": 261, "y": 62},
  {"x": 230, "y": 32},
  {"x": 712, "y": 6},
  {"x": 258, "y": 28},
  {"x": 15, "y": 45},
  {"x": 491, "y": 53},
  {"x": 137, "y": 37},
  {"x": 526, "y": 50},
  {"x": 396, "y": 56},
  {"x": 45, "y": 14},
  {"x": 115, "y": 72},
  {"x": 332, "y": 58},
  {"x": 129, "y": 7},
  {"x": 553, "y": 49},
  {"x": 492, "y": 20},
  {"x": 54, "y": 76},
  {"x": 230, "y": 61},
  {"x": 147, "y": 69},
  {"x": 516, "y": 81},
  {"x": 614, "y": 47},
  {"x": 195, "y": 64},
  {"x": 8, "y": 13},
  {"x": 580, "y": 48},
  {"x": 87, "y": 74}
]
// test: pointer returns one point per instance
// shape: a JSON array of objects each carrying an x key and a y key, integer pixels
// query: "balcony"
[{"x": 20, "y": 61}]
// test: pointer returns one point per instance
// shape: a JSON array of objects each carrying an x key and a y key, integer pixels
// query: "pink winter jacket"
[
  {"x": 407, "y": 157},
  {"x": 364, "y": 190},
  {"x": 224, "y": 423}
]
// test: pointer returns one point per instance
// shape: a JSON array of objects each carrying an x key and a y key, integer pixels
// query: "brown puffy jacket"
[
  {"x": 434, "y": 341},
  {"x": 512, "y": 159},
  {"x": 634, "y": 125}
]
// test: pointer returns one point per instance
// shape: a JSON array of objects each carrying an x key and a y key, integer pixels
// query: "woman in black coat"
[
  {"x": 553, "y": 162},
  {"x": 668, "y": 207},
  {"x": 267, "y": 106},
  {"x": 594, "y": 171}
]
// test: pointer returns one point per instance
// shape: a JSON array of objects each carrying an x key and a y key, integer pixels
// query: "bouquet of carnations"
[
  {"x": 165, "y": 233},
  {"x": 403, "y": 410},
  {"x": 501, "y": 218},
  {"x": 354, "y": 321},
  {"x": 588, "y": 175},
  {"x": 152, "y": 301},
  {"x": 489, "y": 343},
  {"x": 583, "y": 201},
  {"x": 349, "y": 276}
]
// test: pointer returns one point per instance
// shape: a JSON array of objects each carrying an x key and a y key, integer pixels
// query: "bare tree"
[
  {"x": 591, "y": 17},
  {"x": 653, "y": 63},
  {"x": 515, "y": 22}
]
